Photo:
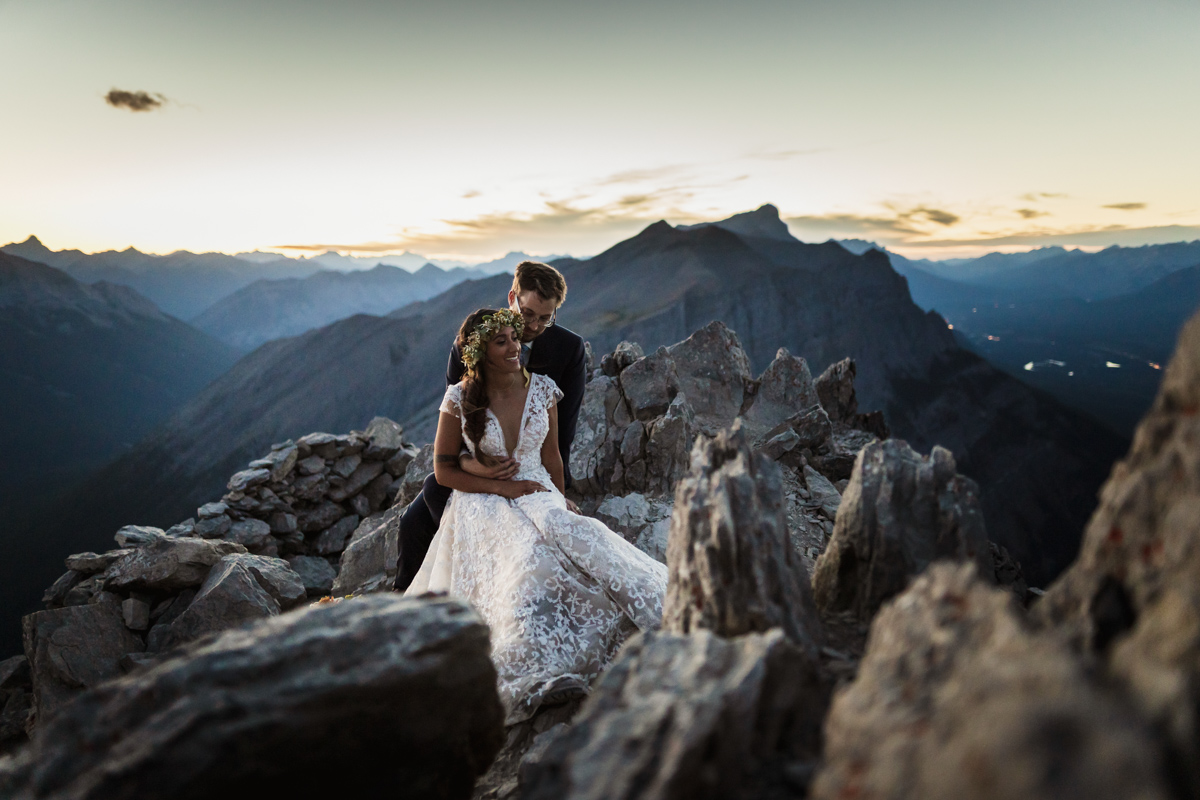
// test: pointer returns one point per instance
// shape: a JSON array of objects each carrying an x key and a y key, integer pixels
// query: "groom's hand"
[{"x": 504, "y": 469}]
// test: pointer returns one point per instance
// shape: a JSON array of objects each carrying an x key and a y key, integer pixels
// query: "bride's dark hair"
[{"x": 474, "y": 394}]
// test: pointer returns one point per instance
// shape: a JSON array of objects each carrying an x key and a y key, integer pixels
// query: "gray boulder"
[
  {"x": 835, "y": 390},
  {"x": 731, "y": 566},
  {"x": 650, "y": 384},
  {"x": 368, "y": 563},
  {"x": 73, "y": 649},
  {"x": 785, "y": 387},
  {"x": 248, "y": 478},
  {"x": 209, "y": 510},
  {"x": 213, "y": 527},
  {"x": 57, "y": 592},
  {"x": 324, "y": 445},
  {"x": 397, "y": 464},
  {"x": 333, "y": 539},
  {"x": 168, "y": 565},
  {"x": 362, "y": 475},
  {"x": 252, "y": 533},
  {"x": 91, "y": 563},
  {"x": 345, "y": 465},
  {"x": 279, "y": 463},
  {"x": 414, "y": 476},
  {"x": 900, "y": 512},
  {"x": 138, "y": 535},
  {"x": 714, "y": 372},
  {"x": 822, "y": 493},
  {"x": 320, "y": 517},
  {"x": 384, "y": 438},
  {"x": 596, "y": 449},
  {"x": 313, "y": 465},
  {"x": 232, "y": 595},
  {"x": 364, "y": 698},
  {"x": 316, "y": 574},
  {"x": 689, "y": 717},
  {"x": 955, "y": 698}
]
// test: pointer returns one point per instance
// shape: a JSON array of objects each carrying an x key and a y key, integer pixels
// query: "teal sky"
[{"x": 467, "y": 129}]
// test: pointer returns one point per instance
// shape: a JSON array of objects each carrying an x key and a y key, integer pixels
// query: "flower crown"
[{"x": 476, "y": 348}]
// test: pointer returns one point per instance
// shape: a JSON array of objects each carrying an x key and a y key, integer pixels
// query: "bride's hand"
[
  {"x": 514, "y": 489},
  {"x": 502, "y": 470}
]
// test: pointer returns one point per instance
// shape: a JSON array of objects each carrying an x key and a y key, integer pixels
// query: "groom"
[{"x": 551, "y": 350}]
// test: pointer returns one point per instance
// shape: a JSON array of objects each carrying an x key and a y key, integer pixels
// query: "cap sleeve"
[
  {"x": 548, "y": 389},
  {"x": 452, "y": 401}
]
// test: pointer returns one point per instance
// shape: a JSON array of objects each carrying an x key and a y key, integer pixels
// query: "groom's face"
[{"x": 536, "y": 310}]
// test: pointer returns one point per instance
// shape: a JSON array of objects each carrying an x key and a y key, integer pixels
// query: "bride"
[{"x": 559, "y": 591}]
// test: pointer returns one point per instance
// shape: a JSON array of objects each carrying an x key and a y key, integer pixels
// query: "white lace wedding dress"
[{"x": 560, "y": 591}]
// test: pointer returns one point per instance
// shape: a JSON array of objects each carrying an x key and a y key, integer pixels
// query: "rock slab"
[
  {"x": 371, "y": 697},
  {"x": 731, "y": 566},
  {"x": 72, "y": 649},
  {"x": 956, "y": 698},
  {"x": 689, "y": 717},
  {"x": 899, "y": 513}
]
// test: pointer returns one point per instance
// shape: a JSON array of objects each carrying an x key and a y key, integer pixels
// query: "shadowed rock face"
[
  {"x": 696, "y": 716},
  {"x": 955, "y": 698},
  {"x": 731, "y": 567},
  {"x": 900, "y": 512},
  {"x": 368, "y": 697},
  {"x": 1132, "y": 599}
]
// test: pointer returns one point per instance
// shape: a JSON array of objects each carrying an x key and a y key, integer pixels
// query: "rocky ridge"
[
  {"x": 755, "y": 687},
  {"x": 275, "y": 540}
]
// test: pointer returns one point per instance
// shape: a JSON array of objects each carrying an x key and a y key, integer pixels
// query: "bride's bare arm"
[
  {"x": 446, "y": 447},
  {"x": 551, "y": 456}
]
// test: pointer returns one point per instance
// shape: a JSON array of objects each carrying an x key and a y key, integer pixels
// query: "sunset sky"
[{"x": 468, "y": 129}]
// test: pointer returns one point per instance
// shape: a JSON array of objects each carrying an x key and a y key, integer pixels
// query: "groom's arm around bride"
[{"x": 549, "y": 349}]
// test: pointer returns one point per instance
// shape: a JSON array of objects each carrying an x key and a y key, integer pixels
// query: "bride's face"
[{"x": 504, "y": 352}]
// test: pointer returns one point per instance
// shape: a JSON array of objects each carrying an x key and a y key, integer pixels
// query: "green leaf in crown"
[{"x": 473, "y": 354}]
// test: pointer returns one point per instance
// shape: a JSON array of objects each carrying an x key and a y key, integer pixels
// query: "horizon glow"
[{"x": 464, "y": 130}]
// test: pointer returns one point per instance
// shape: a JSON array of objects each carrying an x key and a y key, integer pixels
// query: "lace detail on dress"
[
  {"x": 452, "y": 400},
  {"x": 559, "y": 591}
]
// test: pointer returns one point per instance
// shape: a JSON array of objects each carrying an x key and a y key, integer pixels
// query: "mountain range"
[
  {"x": 274, "y": 309},
  {"x": 1039, "y": 463},
  {"x": 1099, "y": 348},
  {"x": 185, "y": 284},
  {"x": 86, "y": 370}
]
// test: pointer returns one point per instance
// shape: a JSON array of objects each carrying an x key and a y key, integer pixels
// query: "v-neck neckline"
[{"x": 521, "y": 428}]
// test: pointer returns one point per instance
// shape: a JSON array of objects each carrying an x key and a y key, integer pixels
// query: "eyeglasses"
[{"x": 531, "y": 319}]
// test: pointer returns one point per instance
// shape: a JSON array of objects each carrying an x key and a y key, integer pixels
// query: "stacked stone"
[{"x": 273, "y": 541}]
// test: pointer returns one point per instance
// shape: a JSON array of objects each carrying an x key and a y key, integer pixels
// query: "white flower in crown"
[{"x": 476, "y": 348}]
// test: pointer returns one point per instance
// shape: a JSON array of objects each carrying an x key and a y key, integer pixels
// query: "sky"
[{"x": 469, "y": 129}]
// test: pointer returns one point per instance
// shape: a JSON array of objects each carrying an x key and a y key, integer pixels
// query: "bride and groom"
[{"x": 559, "y": 590}]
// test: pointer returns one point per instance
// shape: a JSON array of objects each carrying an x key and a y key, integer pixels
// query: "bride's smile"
[{"x": 504, "y": 352}]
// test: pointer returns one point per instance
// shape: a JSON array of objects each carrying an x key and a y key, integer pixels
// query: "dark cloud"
[
  {"x": 1032, "y": 213},
  {"x": 1126, "y": 206},
  {"x": 471, "y": 193},
  {"x": 1033, "y": 197},
  {"x": 932, "y": 214},
  {"x": 134, "y": 101},
  {"x": 841, "y": 225}
]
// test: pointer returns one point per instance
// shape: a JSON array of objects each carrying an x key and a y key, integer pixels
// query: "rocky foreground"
[{"x": 837, "y": 624}]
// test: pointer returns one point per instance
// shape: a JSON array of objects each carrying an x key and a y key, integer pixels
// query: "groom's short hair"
[{"x": 534, "y": 276}]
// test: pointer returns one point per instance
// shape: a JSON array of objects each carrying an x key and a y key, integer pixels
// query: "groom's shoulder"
[{"x": 560, "y": 342}]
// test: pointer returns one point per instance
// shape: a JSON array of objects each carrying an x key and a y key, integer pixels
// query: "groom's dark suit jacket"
[{"x": 558, "y": 354}]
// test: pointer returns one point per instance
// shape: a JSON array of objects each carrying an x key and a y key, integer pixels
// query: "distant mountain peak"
[
  {"x": 763, "y": 222},
  {"x": 33, "y": 241}
]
